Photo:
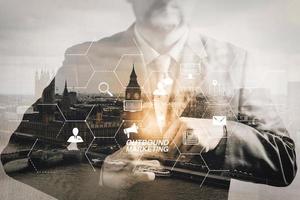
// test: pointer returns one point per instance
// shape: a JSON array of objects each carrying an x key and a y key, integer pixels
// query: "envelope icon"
[{"x": 219, "y": 120}]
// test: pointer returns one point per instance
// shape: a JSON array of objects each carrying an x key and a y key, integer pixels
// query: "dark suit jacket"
[{"x": 260, "y": 152}]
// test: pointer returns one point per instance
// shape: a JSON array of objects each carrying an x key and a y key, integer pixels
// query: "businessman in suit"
[
  {"x": 162, "y": 45},
  {"x": 263, "y": 153}
]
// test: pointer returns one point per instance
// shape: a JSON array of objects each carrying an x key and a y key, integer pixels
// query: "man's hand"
[
  {"x": 208, "y": 135},
  {"x": 119, "y": 170}
]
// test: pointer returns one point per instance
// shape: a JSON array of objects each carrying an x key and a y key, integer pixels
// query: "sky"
[{"x": 34, "y": 34}]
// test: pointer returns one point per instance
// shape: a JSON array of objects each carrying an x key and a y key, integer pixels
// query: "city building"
[
  {"x": 133, "y": 104},
  {"x": 41, "y": 80}
]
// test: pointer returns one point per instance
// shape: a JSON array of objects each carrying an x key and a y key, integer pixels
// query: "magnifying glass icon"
[{"x": 103, "y": 87}]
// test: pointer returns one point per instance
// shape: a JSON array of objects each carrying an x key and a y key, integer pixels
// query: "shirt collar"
[{"x": 150, "y": 54}]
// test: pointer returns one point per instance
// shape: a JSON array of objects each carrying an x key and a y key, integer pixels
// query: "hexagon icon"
[
  {"x": 220, "y": 110},
  {"x": 219, "y": 116},
  {"x": 104, "y": 85},
  {"x": 129, "y": 130},
  {"x": 190, "y": 75},
  {"x": 218, "y": 87},
  {"x": 75, "y": 135},
  {"x": 99, "y": 149},
  {"x": 131, "y": 65},
  {"x": 191, "y": 139},
  {"x": 190, "y": 103},
  {"x": 192, "y": 165},
  {"x": 160, "y": 84},
  {"x": 102, "y": 121}
]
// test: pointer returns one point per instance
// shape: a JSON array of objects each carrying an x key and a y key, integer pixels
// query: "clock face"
[
  {"x": 136, "y": 95},
  {"x": 128, "y": 96}
]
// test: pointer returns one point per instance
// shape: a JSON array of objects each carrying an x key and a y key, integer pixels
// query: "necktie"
[{"x": 162, "y": 88}]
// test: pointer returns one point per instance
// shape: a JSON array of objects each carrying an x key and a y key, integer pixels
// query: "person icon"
[{"x": 74, "y": 139}]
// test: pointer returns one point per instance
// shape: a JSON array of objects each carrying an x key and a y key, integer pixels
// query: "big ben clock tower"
[{"x": 133, "y": 99}]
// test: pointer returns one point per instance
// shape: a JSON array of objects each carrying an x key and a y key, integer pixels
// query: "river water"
[{"x": 81, "y": 182}]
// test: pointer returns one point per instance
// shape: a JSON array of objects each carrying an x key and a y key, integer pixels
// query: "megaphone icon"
[{"x": 132, "y": 129}]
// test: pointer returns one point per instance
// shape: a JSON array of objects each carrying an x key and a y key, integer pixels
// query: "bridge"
[{"x": 7, "y": 157}]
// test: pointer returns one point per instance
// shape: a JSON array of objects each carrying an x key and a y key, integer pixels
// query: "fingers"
[
  {"x": 151, "y": 163},
  {"x": 144, "y": 176},
  {"x": 114, "y": 165},
  {"x": 120, "y": 175}
]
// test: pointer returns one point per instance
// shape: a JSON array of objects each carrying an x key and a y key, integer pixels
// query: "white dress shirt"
[
  {"x": 151, "y": 54},
  {"x": 162, "y": 63}
]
